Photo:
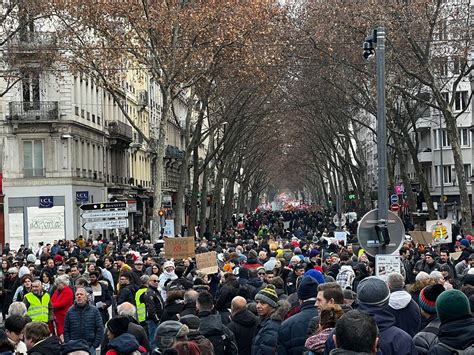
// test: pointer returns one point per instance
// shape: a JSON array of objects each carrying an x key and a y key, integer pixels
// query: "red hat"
[
  {"x": 469, "y": 237},
  {"x": 58, "y": 259},
  {"x": 319, "y": 268}
]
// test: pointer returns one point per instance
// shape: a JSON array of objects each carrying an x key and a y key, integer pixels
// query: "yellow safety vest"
[
  {"x": 141, "y": 307},
  {"x": 38, "y": 309}
]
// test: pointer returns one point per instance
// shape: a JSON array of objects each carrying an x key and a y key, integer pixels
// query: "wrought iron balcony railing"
[{"x": 33, "y": 110}]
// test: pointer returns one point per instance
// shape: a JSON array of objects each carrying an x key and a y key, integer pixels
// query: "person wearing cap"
[
  {"x": 204, "y": 344},
  {"x": 373, "y": 296},
  {"x": 405, "y": 310},
  {"x": 466, "y": 250},
  {"x": 298, "y": 270},
  {"x": 271, "y": 313},
  {"x": 292, "y": 332},
  {"x": 166, "y": 276},
  {"x": 168, "y": 333},
  {"x": 137, "y": 270},
  {"x": 10, "y": 284},
  {"x": 456, "y": 332},
  {"x": 428, "y": 336},
  {"x": 427, "y": 263}
]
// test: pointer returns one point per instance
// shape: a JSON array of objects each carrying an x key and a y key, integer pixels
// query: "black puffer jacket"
[
  {"x": 211, "y": 327},
  {"x": 427, "y": 337},
  {"x": 244, "y": 325},
  {"x": 49, "y": 346},
  {"x": 84, "y": 323},
  {"x": 458, "y": 334},
  {"x": 266, "y": 338}
]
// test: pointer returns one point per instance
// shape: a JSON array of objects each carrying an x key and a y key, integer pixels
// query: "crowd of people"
[{"x": 282, "y": 287}]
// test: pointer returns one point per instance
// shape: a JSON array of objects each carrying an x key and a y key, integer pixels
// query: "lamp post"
[
  {"x": 472, "y": 192},
  {"x": 378, "y": 38}
]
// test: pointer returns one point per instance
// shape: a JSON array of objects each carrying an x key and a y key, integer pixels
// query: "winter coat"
[
  {"x": 227, "y": 293},
  {"x": 458, "y": 334},
  {"x": 427, "y": 337},
  {"x": 134, "y": 329},
  {"x": 154, "y": 304},
  {"x": 61, "y": 301},
  {"x": 315, "y": 343},
  {"x": 211, "y": 325},
  {"x": 203, "y": 343},
  {"x": 126, "y": 294},
  {"x": 314, "y": 323},
  {"x": 244, "y": 325},
  {"x": 84, "y": 322},
  {"x": 266, "y": 339},
  {"x": 188, "y": 309},
  {"x": 125, "y": 343},
  {"x": 172, "y": 310},
  {"x": 292, "y": 333},
  {"x": 48, "y": 346},
  {"x": 393, "y": 340},
  {"x": 406, "y": 311}
]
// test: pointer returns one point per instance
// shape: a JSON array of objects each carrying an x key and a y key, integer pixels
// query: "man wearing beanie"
[
  {"x": 456, "y": 332},
  {"x": 428, "y": 336},
  {"x": 401, "y": 305},
  {"x": 292, "y": 333},
  {"x": 271, "y": 313},
  {"x": 373, "y": 296}
]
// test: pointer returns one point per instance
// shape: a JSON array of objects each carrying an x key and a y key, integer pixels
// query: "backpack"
[
  {"x": 468, "y": 351},
  {"x": 220, "y": 341}
]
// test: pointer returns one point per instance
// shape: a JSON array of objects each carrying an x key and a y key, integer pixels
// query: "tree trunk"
[
  {"x": 202, "y": 215},
  {"x": 195, "y": 191},
  {"x": 215, "y": 216}
]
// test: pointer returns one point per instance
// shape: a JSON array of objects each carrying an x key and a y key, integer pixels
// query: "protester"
[
  {"x": 61, "y": 300},
  {"x": 39, "y": 341},
  {"x": 243, "y": 324},
  {"x": 327, "y": 321}
]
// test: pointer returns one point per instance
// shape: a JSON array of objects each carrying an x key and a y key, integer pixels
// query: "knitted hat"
[
  {"x": 297, "y": 250},
  {"x": 428, "y": 296},
  {"x": 308, "y": 288},
  {"x": 315, "y": 274},
  {"x": 465, "y": 243},
  {"x": 167, "y": 264},
  {"x": 452, "y": 305},
  {"x": 168, "y": 331},
  {"x": 193, "y": 322},
  {"x": 313, "y": 253},
  {"x": 295, "y": 259},
  {"x": 468, "y": 279},
  {"x": 373, "y": 291},
  {"x": 268, "y": 295},
  {"x": 58, "y": 259},
  {"x": 31, "y": 258},
  {"x": 118, "y": 326},
  {"x": 253, "y": 254}
]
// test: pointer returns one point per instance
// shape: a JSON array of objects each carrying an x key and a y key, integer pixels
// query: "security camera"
[{"x": 368, "y": 50}]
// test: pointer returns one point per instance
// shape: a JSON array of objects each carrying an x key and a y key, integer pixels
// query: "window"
[
  {"x": 441, "y": 137},
  {"x": 461, "y": 100},
  {"x": 33, "y": 158},
  {"x": 467, "y": 172},
  {"x": 464, "y": 137},
  {"x": 459, "y": 64}
]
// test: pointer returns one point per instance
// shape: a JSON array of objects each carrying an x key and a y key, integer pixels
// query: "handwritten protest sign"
[
  {"x": 422, "y": 237},
  {"x": 179, "y": 248},
  {"x": 207, "y": 262}
]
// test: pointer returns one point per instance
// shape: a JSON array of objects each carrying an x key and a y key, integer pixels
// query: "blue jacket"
[
  {"x": 457, "y": 334},
  {"x": 406, "y": 312},
  {"x": 393, "y": 340},
  {"x": 266, "y": 338},
  {"x": 84, "y": 323},
  {"x": 292, "y": 333}
]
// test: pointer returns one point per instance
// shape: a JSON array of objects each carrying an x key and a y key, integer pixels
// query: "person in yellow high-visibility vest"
[
  {"x": 140, "y": 296},
  {"x": 38, "y": 304}
]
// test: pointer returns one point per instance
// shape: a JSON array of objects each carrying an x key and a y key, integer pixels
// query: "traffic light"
[
  {"x": 382, "y": 235},
  {"x": 161, "y": 213}
]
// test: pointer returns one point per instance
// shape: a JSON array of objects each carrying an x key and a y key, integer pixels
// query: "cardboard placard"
[
  {"x": 422, "y": 237},
  {"x": 179, "y": 248},
  {"x": 385, "y": 264},
  {"x": 456, "y": 255},
  {"x": 341, "y": 236},
  {"x": 207, "y": 262},
  {"x": 441, "y": 229}
]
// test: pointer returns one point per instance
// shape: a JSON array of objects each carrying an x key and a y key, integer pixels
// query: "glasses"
[
  {"x": 261, "y": 274},
  {"x": 153, "y": 280}
]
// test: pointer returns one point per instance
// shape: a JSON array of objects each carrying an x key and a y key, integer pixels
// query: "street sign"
[
  {"x": 108, "y": 224},
  {"x": 395, "y": 207},
  {"x": 336, "y": 220},
  {"x": 105, "y": 214},
  {"x": 104, "y": 206},
  {"x": 394, "y": 199},
  {"x": 369, "y": 240}
]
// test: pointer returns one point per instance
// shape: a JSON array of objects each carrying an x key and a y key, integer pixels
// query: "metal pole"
[
  {"x": 382, "y": 194},
  {"x": 441, "y": 167}
]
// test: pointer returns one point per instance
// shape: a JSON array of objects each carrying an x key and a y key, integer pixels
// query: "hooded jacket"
[
  {"x": 244, "y": 325},
  {"x": 292, "y": 333},
  {"x": 266, "y": 338},
  {"x": 393, "y": 340},
  {"x": 458, "y": 334},
  {"x": 48, "y": 346},
  {"x": 406, "y": 312},
  {"x": 125, "y": 343}
]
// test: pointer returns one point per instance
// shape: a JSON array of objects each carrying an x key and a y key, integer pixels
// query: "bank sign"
[{"x": 82, "y": 196}]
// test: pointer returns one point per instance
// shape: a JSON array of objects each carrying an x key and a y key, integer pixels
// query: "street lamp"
[
  {"x": 472, "y": 192},
  {"x": 378, "y": 39}
]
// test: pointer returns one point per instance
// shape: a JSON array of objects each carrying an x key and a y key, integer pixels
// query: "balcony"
[
  {"x": 173, "y": 152},
  {"x": 33, "y": 111},
  {"x": 425, "y": 156},
  {"x": 121, "y": 134},
  {"x": 143, "y": 98},
  {"x": 31, "y": 47}
]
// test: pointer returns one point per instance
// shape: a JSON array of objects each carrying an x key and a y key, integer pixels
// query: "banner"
[
  {"x": 207, "y": 262},
  {"x": 440, "y": 230},
  {"x": 286, "y": 225},
  {"x": 385, "y": 264},
  {"x": 179, "y": 248},
  {"x": 341, "y": 236}
]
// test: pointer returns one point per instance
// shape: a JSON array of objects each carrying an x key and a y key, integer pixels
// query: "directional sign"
[
  {"x": 104, "y": 206},
  {"x": 395, "y": 207},
  {"x": 109, "y": 224},
  {"x": 105, "y": 214},
  {"x": 394, "y": 199}
]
